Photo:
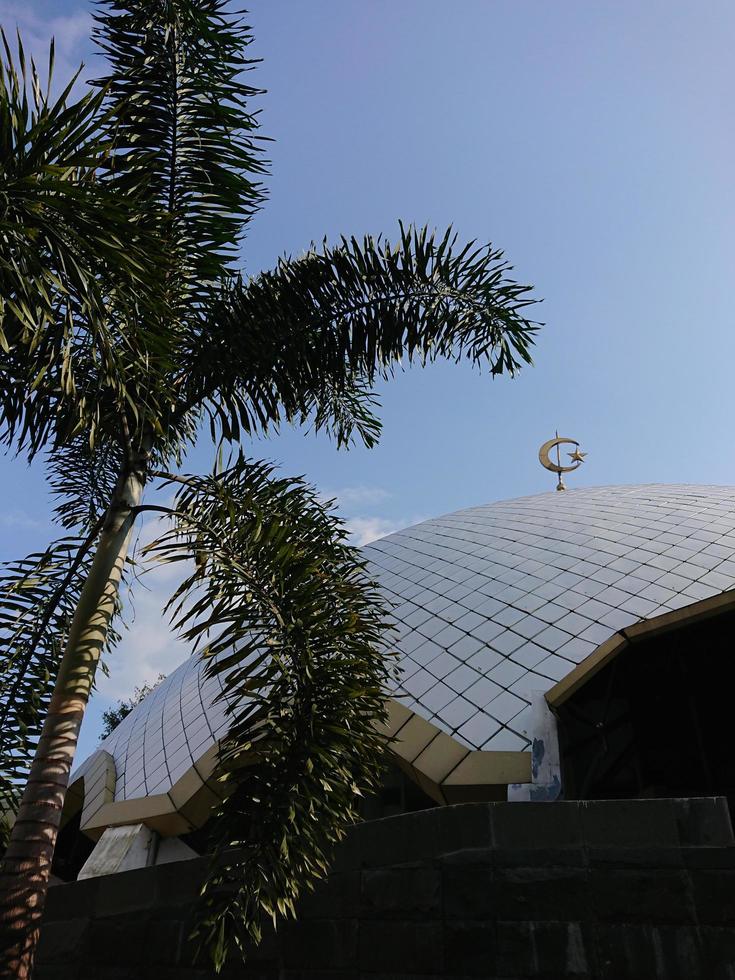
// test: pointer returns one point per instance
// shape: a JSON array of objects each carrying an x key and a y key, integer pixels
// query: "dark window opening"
[
  {"x": 398, "y": 793},
  {"x": 657, "y": 720},
  {"x": 72, "y": 850}
]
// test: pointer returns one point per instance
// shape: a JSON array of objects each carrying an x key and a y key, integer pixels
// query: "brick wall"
[{"x": 621, "y": 890}]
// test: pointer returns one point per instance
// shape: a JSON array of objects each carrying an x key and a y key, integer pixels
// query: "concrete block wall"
[{"x": 616, "y": 890}]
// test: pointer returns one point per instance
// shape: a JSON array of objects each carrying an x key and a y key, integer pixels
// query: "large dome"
[
  {"x": 493, "y": 604},
  {"x": 498, "y": 601}
]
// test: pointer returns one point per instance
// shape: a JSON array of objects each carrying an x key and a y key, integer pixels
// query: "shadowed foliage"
[
  {"x": 71, "y": 247},
  {"x": 38, "y": 595},
  {"x": 283, "y": 611}
]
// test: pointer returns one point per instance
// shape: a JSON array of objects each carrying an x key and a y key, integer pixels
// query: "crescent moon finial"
[{"x": 577, "y": 458}]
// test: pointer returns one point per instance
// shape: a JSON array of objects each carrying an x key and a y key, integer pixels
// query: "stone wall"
[{"x": 621, "y": 890}]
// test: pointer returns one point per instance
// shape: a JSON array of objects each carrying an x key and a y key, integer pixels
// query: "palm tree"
[{"x": 125, "y": 329}]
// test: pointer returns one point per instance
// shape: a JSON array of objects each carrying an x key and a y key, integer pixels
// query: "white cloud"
[
  {"x": 70, "y": 32},
  {"x": 149, "y": 646},
  {"x": 357, "y": 496},
  {"x": 20, "y": 519},
  {"x": 363, "y": 530},
  {"x": 362, "y": 527}
]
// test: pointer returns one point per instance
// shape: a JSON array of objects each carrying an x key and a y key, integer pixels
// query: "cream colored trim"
[
  {"x": 441, "y": 757},
  {"x": 99, "y": 786},
  {"x": 491, "y": 769},
  {"x": 397, "y": 715},
  {"x": 445, "y": 769},
  {"x": 645, "y": 630},
  {"x": 585, "y": 670},
  {"x": 186, "y": 806},
  {"x": 413, "y": 738},
  {"x": 143, "y": 809},
  {"x": 697, "y": 612},
  {"x": 92, "y": 789},
  {"x": 73, "y": 800}
]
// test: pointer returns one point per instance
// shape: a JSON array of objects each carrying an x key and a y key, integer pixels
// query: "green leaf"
[
  {"x": 38, "y": 595},
  {"x": 296, "y": 636},
  {"x": 309, "y": 339}
]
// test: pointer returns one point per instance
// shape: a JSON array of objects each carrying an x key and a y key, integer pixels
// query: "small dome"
[{"x": 493, "y": 604}]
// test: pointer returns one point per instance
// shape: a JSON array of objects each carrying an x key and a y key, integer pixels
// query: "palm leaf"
[
  {"x": 285, "y": 614},
  {"x": 82, "y": 479},
  {"x": 69, "y": 247},
  {"x": 38, "y": 596},
  {"x": 179, "y": 107},
  {"x": 309, "y": 338}
]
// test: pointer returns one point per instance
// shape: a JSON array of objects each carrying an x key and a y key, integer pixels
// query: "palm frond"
[
  {"x": 179, "y": 107},
  {"x": 38, "y": 596},
  {"x": 282, "y": 608},
  {"x": 82, "y": 479},
  {"x": 70, "y": 248},
  {"x": 309, "y": 338}
]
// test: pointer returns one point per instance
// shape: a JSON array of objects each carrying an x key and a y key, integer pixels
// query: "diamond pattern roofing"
[{"x": 492, "y": 604}]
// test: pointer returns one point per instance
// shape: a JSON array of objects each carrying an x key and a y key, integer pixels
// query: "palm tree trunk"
[{"x": 27, "y": 862}]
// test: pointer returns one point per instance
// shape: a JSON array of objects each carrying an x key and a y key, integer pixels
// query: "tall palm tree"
[{"x": 125, "y": 329}]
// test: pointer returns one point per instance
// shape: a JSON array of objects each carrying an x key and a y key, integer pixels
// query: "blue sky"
[{"x": 593, "y": 142}]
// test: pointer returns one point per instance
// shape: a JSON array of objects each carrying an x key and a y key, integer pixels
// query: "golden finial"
[{"x": 577, "y": 458}]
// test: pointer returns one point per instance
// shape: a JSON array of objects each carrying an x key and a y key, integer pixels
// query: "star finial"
[{"x": 577, "y": 458}]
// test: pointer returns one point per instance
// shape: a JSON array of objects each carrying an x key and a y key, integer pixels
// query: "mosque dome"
[
  {"x": 498, "y": 601},
  {"x": 494, "y": 605}
]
